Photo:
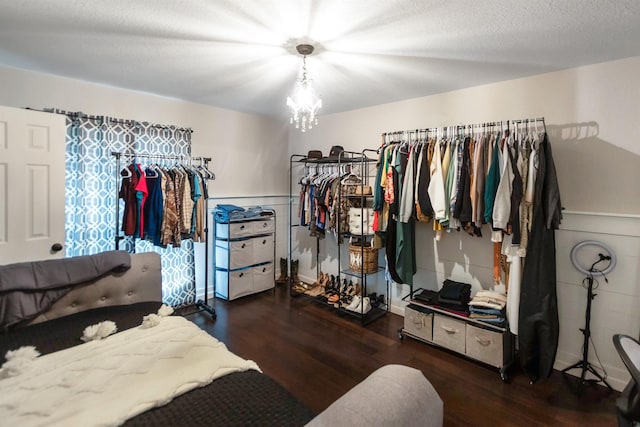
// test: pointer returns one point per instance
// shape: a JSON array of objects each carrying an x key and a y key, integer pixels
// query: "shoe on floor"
[{"x": 354, "y": 303}]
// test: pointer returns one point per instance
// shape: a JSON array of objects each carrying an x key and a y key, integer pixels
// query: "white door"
[{"x": 32, "y": 167}]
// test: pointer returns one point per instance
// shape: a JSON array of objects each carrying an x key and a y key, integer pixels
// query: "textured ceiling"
[{"x": 239, "y": 54}]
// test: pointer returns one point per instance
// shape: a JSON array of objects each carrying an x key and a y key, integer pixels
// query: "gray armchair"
[
  {"x": 393, "y": 395},
  {"x": 628, "y": 404}
]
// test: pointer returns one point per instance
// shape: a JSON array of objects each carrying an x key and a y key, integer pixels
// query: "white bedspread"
[{"x": 106, "y": 382}]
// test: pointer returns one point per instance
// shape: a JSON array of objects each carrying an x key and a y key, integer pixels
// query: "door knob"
[{"x": 56, "y": 247}]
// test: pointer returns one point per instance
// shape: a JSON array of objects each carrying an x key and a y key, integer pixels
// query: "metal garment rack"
[
  {"x": 347, "y": 159},
  {"x": 201, "y": 304},
  {"x": 413, "y": 135}
]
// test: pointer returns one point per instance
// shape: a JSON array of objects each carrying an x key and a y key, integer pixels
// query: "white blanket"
[{"x": 106, "y": 382}]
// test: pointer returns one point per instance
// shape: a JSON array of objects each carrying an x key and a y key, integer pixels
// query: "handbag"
[
  {"x": 361, "y": 221},
  {"x": 363, "y": 190}
]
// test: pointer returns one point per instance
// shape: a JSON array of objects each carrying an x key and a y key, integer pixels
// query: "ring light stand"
[{"x": 584, "y": 364}]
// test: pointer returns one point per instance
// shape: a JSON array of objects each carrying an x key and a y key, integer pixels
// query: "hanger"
[
  {"x": 150, "y": 168},
  {"x": 127, "y": 173},
  {"x": 351, "y": 174},
  {"x": 204, "y": 169}
]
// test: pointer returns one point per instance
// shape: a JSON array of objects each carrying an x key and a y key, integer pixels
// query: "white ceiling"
[{"x": 239, "y": 54}]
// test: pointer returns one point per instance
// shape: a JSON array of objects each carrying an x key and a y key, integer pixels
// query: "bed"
[{"x": 245, "y": 397}]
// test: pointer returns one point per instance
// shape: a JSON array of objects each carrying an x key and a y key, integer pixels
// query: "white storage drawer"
[
  {"x": 263, "y": 277},
  {"x": 449, "y": 332},
  {"x": 418, "y": 322},
  {"x": 233, "y": 230},
  {"x": 236, "y": 254},
  {"x": 233, "y": 284},
  {"x": 262, "y": 249},
  {"x": 485, "y": 345},
  {"x": 263, "y": 226}
]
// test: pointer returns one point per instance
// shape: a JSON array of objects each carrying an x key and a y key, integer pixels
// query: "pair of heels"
[
  {"x": 322, "y": 280},
  {"x": 335, "y": 290}
]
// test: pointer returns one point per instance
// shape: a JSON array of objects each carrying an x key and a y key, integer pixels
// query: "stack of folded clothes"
[
  {"x": 427, "y": 296},
  {"x": 488, "y": 306},
  {"x": 226, "y": 213},
  {"x": 455, "y": 296}
]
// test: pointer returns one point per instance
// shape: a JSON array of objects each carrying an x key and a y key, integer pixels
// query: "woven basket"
[{"x": 363, "y": 259}]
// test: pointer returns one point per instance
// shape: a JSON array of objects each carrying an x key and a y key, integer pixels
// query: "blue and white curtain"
[{"x": 92, "y": 186}]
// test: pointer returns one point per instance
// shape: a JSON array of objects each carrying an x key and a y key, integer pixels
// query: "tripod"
[{"x": 584, "y": 363}]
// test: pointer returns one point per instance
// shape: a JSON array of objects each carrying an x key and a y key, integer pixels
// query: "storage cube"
[{"x": 418, "y": 321}]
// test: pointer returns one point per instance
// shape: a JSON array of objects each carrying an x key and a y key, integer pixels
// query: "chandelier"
[{"x": 304, "y": 102}]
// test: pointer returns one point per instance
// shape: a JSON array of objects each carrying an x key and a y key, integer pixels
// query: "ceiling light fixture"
[{"x": 304, "y": 102}]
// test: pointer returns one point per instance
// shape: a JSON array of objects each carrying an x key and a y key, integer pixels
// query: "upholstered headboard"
[{"x": 141, "y": 283}]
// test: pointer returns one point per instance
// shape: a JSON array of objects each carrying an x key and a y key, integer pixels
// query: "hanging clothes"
[
  {"x": 478, "y": 178},
  {"x": 153, "y": 213},
  {"x": 423, "y": 177},
  {"x": 141, "y": 197},
  {"x": 164, "y": 205},
  {"x": 479, "y": 173},
  {"x": 436, "y": 184},
  {"x": 171, "y": 218},
  {"x": 128, "y": 194},
  {"x": 451, "y": 177},
  {"x": 325, "y": 200},
  {"x": 463, "y": 206},
  {"x": 538, "y": 323},
  {"x": 492, "y": 182},
  {"x": 406, "y": 265},
  {"x": 502, "y": 201},
  {"x": 516, "y": 195}
]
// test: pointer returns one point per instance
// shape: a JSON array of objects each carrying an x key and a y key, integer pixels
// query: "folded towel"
[
  {"x": 487, "y": 304},
  {"x": 493, "y": 295}
]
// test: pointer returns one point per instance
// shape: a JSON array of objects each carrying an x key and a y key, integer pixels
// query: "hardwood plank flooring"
[{"x": 318, "y": 356}]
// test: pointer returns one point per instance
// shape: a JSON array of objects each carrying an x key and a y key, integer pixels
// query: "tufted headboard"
[{"x": 141, "y": 283}]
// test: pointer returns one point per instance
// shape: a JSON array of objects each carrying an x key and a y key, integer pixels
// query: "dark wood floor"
[{"x": 318, "y": 356}]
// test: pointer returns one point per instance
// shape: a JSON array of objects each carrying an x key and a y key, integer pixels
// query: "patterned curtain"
[{"x": 91, "y": 193}]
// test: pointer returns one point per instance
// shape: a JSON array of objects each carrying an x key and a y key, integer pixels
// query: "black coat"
[{"x": 538, "y": 324}]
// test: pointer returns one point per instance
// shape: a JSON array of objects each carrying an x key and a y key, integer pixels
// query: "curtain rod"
[
  {"x": 118, "y": 154},
  {"x": 80, "y": 114},
  {"x": 467, "y": 126}
]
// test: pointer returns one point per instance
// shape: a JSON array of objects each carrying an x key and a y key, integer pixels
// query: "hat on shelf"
[
  {"x": 313, "y": 155},
  {"x": 334, "y": 153}
]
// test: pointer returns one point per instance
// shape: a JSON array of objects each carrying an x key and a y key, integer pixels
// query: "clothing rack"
[{"x": 201, "y": 304}]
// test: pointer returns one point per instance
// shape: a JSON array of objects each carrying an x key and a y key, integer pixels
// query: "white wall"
[{"x": 591, "y": 114}]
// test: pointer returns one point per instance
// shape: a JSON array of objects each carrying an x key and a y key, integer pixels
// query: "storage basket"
[{"x": 363, "y": 259}]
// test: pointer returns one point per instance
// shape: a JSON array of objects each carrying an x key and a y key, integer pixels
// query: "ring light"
[{"x": 582, "y": 269}]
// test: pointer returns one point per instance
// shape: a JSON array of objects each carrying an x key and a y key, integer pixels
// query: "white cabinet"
[
  {"x": 475, "y": 339},
  {"x": 244, "y": 256}
]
